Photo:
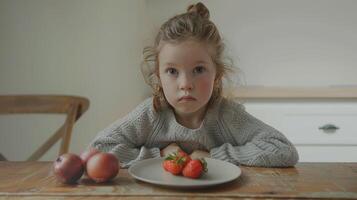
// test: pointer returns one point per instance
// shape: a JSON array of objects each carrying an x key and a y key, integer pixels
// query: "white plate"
[{"x": 151, "y": 171}]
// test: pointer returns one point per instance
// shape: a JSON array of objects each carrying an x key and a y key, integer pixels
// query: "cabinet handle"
[{"x": 329, "y": 127}]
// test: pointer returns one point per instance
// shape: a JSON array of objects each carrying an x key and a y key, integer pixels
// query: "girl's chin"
[{"x": 187, "y": 109}]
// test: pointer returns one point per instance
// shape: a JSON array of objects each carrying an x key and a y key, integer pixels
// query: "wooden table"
[{"x": 34, "y": 180}]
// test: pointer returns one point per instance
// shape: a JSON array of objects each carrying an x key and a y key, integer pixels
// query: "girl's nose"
[{"x": 186, "y": 83}]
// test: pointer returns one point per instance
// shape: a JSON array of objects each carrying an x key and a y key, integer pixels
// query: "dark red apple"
[
  {"x": 68, "y": 168},
  {"x": 87, "y": 154},
  {"x": 102, "y": 167}
]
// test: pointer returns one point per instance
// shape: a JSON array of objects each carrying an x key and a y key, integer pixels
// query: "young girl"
[{"x": 187, "y": 111}]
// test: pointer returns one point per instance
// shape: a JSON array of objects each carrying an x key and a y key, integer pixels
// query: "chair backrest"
[{"x": 72, "y": 106}]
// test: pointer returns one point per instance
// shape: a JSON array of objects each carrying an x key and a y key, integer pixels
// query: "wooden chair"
[{"x": 72, "y": 106}]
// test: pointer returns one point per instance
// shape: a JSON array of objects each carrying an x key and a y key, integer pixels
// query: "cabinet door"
[
  {"x": 322, "y": 131},
  {"x": 316, "y": 153}
]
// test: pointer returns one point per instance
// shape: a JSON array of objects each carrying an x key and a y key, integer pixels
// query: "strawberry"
[
  {"x": 174, "y": 164},
  {"x": 195, "y": 168},
  {"x": 186, "y": 157},
  {"x": 181, "y": 153}
]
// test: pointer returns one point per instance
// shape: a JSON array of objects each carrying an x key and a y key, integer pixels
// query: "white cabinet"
[
  {"x": 320, "y": 121},
  {"x": 322, "y": 130}
]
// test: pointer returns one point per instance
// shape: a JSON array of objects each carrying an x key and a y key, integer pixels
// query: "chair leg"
[
  {"x": 70, "y": 120},
  {"x": 47, "y": 145}
]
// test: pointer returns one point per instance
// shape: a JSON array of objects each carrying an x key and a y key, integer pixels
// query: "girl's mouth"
[{"x": 187, "y": 98}]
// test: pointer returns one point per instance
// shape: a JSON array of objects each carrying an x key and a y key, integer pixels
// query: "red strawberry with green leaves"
[
  {"x": 186, "y": 157},
  {"x": 174, "y": 164},
  {"x": 195, "y": 168}
]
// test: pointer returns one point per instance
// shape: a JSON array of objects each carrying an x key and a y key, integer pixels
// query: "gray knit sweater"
[{"x": 228, "y": 132}]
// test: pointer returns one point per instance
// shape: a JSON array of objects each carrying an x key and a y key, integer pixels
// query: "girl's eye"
[
  {"x": 199, "y": 70},
  {"x": 171, "y": 71}
]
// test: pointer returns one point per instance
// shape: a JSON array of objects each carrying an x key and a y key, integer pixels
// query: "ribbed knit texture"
[{"x": 228, "y": 132}]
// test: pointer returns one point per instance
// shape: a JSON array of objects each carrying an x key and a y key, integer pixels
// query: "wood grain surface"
[{"x": 35, "y": 180}]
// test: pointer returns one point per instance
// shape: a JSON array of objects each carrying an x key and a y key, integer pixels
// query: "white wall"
[
  {"x": 280, "y": 42},
  {"x": 93, "y": 49},
  {"x": 83, "y": 47}
]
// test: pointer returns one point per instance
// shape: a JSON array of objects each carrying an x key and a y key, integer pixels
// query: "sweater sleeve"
[
  {"x": 126, "y": 137},
  {"x": 253, "y": 143}
]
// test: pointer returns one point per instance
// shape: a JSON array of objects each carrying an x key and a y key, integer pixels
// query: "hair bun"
[{"x": 200, "y": 9}]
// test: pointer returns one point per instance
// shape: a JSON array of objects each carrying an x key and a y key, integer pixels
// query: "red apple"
[
  {"x": 102, "y": 167},
  {"x": 68, "y": 168},
  {"x": 87, "y": 154}
]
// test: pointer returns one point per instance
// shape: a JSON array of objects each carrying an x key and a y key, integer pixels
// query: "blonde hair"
[{"x": 194, "y": 24}]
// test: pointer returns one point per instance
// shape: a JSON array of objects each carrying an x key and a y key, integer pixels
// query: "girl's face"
[{"x": 187, "y": 75}]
